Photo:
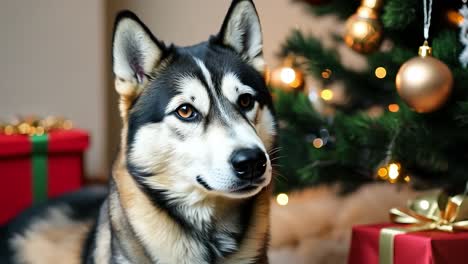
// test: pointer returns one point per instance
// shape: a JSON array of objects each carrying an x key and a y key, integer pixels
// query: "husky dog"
[{"x": 191, "y": 183}]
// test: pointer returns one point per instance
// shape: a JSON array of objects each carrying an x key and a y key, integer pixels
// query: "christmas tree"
[{"x": 416, "y": 134}]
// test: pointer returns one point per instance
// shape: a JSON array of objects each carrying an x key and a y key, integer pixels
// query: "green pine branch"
[{"x": 431, "y": 147}]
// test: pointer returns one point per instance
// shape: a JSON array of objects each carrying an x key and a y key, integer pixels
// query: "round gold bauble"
[
  {"x": 424, "y": 83},
  {"x": 363, "y": 31}
]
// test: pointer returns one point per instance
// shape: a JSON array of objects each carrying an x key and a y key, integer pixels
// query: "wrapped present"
[
  {"x": 432, "y": 230},
  {"x": 39, "y": 159}
]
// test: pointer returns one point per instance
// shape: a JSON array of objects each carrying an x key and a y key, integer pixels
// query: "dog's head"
[{"x": 197, "y": 119}]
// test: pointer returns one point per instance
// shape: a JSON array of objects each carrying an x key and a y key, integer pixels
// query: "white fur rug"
[{"x": 315, "y": 226}]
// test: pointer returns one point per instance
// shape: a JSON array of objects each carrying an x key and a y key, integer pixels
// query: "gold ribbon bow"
[{"x": 429, "y": 212}]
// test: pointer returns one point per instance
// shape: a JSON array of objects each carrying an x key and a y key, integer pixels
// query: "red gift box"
[
  {"x": 34, "y": 168},
  {"x": 428, "y": 247}
]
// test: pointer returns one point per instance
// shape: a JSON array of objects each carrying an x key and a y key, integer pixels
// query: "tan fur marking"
[
  {"x": 121, "y": 229},
  {"x": 143, "y": 216},
  {"x": 254, "y": 240},
  {"x": 266, "y": 129},
  {"x": 103, "y": 238},
  {"x": 128, "y": 92},
  {"x": 54, "y": 239}
]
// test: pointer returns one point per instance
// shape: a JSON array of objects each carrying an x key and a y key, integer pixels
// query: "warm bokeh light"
[
  {"x": 393, "y": 171},
  {"x": 424, "y": 204},
  {"x": 318, "y": 143},
  {"x": 9, "y": 130},
  {"x": 67, "y": 124},
  {"x": 382, "y": 172},
  {"x": 287, "y": 75},
  {"x": 393, "y": 108},
  {"x": 326, "y": 74},
  {"x": 407, "y": 179},
  {"x": 326, "y": 94},
  {"x": 282, "y": 199},
  {"x": 40, "y": 131},
  {"x": 380, "y": 72},
  {"x": 454, "y": 17}
]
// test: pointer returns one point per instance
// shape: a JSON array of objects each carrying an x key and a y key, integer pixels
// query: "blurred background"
[
  {"x": 369, "y": 116},
  {"x": 55, "y": 56}
]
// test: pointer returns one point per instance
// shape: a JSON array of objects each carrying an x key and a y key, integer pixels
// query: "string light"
[
  {"x": 389, "y": 170},
  {"x": 287, "y": 75},
  {"x": 318, "y": 143},
  {"x": 393, "y": 108},
  {"x": 380, "y": 72},
  {"x": 282, "y": 199},
  {"x": 9, "y": 129},
  {"x": 326, "y": 94},
  {"x": 382, "y": 172},
  {"x": 326, "y": 74},
  {"x": 454, "y": 17},
  {"x": 393, "y": 171},
  {"x": 32, "y": 125}
]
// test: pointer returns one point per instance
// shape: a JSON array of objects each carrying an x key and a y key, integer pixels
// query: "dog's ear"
[
  {"x": 242, "y": 32},
  {"x": 135, "y": 51}
]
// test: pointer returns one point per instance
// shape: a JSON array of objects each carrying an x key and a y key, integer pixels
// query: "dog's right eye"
[
  {"x": 186, "y": 112},
  {"x": 245, "y": 101}
]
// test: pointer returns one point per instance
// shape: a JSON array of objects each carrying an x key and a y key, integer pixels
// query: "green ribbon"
[{"x": 39, "y": 167}]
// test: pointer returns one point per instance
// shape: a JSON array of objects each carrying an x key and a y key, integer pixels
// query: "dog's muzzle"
[{"x": 249, "y": 163}]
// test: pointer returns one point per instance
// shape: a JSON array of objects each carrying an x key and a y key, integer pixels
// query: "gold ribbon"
[{"x": 429, "y": 212}]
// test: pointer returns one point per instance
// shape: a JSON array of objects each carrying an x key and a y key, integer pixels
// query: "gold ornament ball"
[
  {"x": 424, "y": 83},
  {"x": 363, "y": 31}
]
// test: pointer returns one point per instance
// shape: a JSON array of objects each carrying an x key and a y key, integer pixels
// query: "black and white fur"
[{"x": 174, "y": 196}]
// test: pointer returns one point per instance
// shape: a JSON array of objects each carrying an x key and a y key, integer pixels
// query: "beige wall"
[
  {"x": 51, "y": 59},
  {"x": 187, "y": 22},
  {"x": 54, "y": 55}
]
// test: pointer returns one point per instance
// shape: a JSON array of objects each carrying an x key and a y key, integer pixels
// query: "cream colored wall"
[
  {"x": 52, "y": 63},
  {"x": 54, "y": 55},
  {"x": 186, "y": 22}
]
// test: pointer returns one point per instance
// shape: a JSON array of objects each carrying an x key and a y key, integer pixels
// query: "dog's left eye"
[
  {"x": 245, "y": 101},
  {"x": 186, "y": 112}
]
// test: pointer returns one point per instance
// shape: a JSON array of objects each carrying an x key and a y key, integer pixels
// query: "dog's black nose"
[{"x": 249, "y": 163}]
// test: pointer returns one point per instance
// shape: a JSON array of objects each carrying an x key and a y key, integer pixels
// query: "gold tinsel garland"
[{"x": 33, "y": 125}]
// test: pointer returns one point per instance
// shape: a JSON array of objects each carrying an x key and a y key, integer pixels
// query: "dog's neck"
[{"x": 216, "y": 230}]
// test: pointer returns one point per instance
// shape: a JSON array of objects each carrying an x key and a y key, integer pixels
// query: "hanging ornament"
[
  {"x": 363, "y": 30},
  {"x": 424, "y": 82},
  {"x": 464, "y": 34},
  {"x": 287, "y": 77}
]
